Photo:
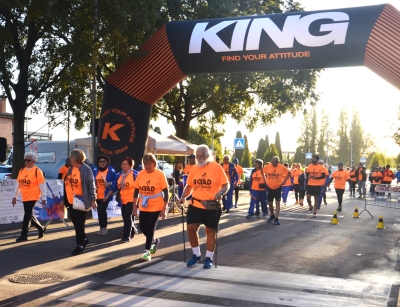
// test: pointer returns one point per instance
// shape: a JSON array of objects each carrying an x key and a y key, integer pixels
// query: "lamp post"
[{"x": 351, "y": 147}]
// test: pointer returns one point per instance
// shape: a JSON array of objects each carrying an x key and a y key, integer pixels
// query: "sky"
[{"x": 338, "y": 87}]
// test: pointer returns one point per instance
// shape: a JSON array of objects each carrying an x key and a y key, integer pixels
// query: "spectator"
[
  {"x": 232, "y": 175},
  {"x": 64, "y": 169},
  {"x": 240, "y": 173},
  {"x": 361, "y": 176}
]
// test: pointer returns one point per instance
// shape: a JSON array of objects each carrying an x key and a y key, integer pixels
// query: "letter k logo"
[{"x": 111, "y": 131}]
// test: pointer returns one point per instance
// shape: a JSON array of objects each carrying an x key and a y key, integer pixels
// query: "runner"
[
  {"x": 192, "y": 161},
  {"x": 287, "y": 186},
  {"x": 207, "y": 182},
  {"x": 353, "y": 181},
  {"x": 376, "y": 179},
  {"x": 240, "y": 172},
  {"x": 257, "y": 190},
  {"x": 340, "y": 176},
  {"x": 316, "y": 175},
  {"x": 276, "y": 175},
  {"x": 295, "y": 175},
  {"x": 324, "y": 186},
  {"x": 361, "y": 179},
  {"x": 302, "y": 187},
  {"x": 398, "y": 176},
  {"x": 232, "y": 175}
]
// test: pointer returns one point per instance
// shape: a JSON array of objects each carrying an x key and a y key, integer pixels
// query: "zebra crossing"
[{"x": 171, "y": 283}]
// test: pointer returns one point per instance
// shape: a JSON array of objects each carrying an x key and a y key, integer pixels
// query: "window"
[{"x": 46, "y": 157}]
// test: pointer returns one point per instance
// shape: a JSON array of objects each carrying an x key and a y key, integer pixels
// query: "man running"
[
  {"x": 316, "y": 175},
  {"x": 353, "y": 181},
  {"x": 232, "y": 175},
  {"x": 276, "y": 175},
  {"x": 240, "y": 173},
  {"x": 340, "y": 176}
]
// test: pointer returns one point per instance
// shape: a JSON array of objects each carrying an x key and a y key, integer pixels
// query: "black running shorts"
[
  {"x": 209, "y": 218},
  {"x": 314, "y": 190},
  {"x": 274, "y": 194}
]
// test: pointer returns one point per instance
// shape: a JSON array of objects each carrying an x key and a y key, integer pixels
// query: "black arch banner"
[{"x": 368, "y": 36}]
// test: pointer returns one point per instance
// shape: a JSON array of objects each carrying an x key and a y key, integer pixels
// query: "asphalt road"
[{"x": 305, "y": 261}]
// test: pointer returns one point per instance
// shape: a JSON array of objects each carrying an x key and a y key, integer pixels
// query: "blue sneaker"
[
  {"x": 249, "y": 216},
  {"x": 265, "y": 214},
  {"x": 276, "y": 222},
  {"x": 271, "y": 219},
  {"x": 192, "y": 262},
  {"x": 207, "y": 263}
]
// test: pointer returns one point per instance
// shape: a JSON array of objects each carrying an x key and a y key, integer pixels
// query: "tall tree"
[
  {"x": 196, "y": 137},
  {"x": 314, "y": 131},
  {"x": 239, "y": 152},
  {"x": 343, "y": 142},
  {"x": 278, "y": 145},
  {"x": 266, "y": 141},
  {"x": 271, "y": 152},
  {"x": 261, "y": 149},
  {"x": 246, "y": 158},
  {"x": 360, "y": 141},
  {"x": 304, "y": 139},
  {"x": 323, "y": 135}
]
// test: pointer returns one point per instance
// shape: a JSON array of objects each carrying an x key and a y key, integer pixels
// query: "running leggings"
[
  {"x": 148, "y": 223},
  {"x": 296, "y": 191},
  {"x": 236, "y": 194},
  {"x": 353, "y": 187},
  {"x": 339, "y": 194}
]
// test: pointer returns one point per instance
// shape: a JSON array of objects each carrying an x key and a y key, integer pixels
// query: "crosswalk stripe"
[
  {"x": 103, "y": 298},
  {"x": 242, "y": 292},
  {"x": 281, "y": 279}
]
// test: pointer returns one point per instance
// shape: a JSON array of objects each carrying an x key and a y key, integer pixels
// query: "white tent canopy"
[{"x": 190, "y": 147}]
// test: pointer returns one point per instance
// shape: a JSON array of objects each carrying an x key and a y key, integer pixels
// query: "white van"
[{"x": 51, "y": 155}]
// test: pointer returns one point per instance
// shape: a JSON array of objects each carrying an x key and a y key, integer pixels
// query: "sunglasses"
[
  {"x": 102, "y": 161},
  {"x": 27, "y": 160}
]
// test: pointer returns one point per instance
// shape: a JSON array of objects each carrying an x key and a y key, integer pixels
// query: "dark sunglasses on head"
[
  {"x": 27, "y": 160},
  {"x": 102, "y": 161}
]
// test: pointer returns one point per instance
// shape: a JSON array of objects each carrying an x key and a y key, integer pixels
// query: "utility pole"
[
  {"x": 351, "y": 148},
  {"x": 94, "y": 86}
]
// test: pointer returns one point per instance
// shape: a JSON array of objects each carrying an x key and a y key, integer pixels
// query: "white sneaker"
[
  {"x": 105, "y": 231},
  {"x": 100, "y": 232}
]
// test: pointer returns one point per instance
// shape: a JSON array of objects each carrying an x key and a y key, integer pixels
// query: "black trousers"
[
  {"x": 78, "y": 218},
  {"x": 148, "y": 223},
  {"x": 388, "y": 183},
  {"x": 29, "y": 218},
  {"x": 102, "y": 212},
  {"x": 236, "y": 194},
  {"x": 127, "y": 211},
  {"x": 296, "y": 191},
  {"x": 339, "y": 194},
  {"x": 302, "y": 193},
  {"x": 353, "y": 187}
]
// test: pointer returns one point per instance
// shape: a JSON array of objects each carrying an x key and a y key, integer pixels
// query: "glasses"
[
  {"x": 27, "y": 160},
  {"x": 102, "y": 161}
]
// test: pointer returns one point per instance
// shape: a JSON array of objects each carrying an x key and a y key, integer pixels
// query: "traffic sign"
[
  {"x": 308, "y": 155},
  {"x": 363, "y": 160},
  {"x": 239, "y": 143}
]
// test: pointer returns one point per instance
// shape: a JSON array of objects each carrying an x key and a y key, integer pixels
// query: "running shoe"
[
  {"x": 21, "y": 239},
  {"x": 192, "y": 262},
  {"x": 257, "y": 214},
  {"x": 236, "y": 205},
  {"x": 314, "y": 215},
  {"x": 227, "y": 211},
  {"x": 77, "y": 251},
  {"x": 271, "y": 219},
  {"x": 125, "y": 240},
  {"x": 284, "y": 203},
  {"x": 250, "y": 216},
  {"x": 276, "y": 222},
  {"x": 339, "y": 208},
  {"x": 265, "y": 214},
  {"x": 207, "y": 263},
  {"x": 146, "y": 256},
  {"x": 297, "y": 202},
  {"x": 153, "y": 247},
  {"x": 310, "y": 209}
]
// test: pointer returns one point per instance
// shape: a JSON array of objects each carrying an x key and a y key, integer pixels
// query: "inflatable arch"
[{"x": 368, "y": 36}]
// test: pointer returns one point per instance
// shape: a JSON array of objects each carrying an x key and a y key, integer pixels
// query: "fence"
[{"x": 382, "y": 195}]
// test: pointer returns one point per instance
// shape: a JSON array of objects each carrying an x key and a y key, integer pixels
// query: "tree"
[
  {"x": 361, "y": 142},
  {"x": 246, "y": 158},
  {"x": 266, "y": 141},
  {"x": 304, "y": 139},
  {"x": 323, "y": 135},
  {"x": 239, "y": 152},
  {"x": 261, "y": 149},
  {"x": 195, "y": 137},
  {"x": 249, "y": 97},
  {"x": 343, "y": 143},
  {"x": 271, "y": 152},
  {"x": 299, "y": 156},
  {"x": 314, "y": 131},
  {"x": 278, "y": 145}
]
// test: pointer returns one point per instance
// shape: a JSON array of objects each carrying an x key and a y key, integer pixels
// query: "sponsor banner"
[
  {"x": 113, "y": 210},
  {"x": 52, "y": 210},
  {"x": 385, "y": 188}
]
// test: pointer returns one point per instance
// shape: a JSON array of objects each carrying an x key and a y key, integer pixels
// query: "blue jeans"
[
  {"x": 257, "y": 196},
  {"x": 227, "y": 199},
  {"x": 285, "y": 193},
  {"x": 322, "y": 196}
]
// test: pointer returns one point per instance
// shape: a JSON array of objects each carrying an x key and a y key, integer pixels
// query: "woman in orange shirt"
[
  {"x": 257, "y": 190},
  {"x": 295, "y": 175},
  {"x": 151, "y": 188},
  {"x": 340, "y": 176},
  {"x": 31, "y": 183}
]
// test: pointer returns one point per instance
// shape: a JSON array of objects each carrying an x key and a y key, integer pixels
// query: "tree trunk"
[{"x": 19, "y": 138}]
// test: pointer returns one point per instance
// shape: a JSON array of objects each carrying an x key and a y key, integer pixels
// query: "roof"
[{"x": 7, "y": 115}]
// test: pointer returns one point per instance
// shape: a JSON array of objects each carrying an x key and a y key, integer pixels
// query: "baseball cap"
[
  {"x": 192, "y": 156},
  {"x": 236, "y": 160},
  {"x": 340, "y": 163}
]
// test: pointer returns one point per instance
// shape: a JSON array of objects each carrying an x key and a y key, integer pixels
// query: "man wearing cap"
[
  {"x": 192, "y": 161},
  {"x": 340, "y": 176},
  {"x": 232, "y": 175},
  {"x": 240, "y": 172},
  {"x": 316, "y": 175}
]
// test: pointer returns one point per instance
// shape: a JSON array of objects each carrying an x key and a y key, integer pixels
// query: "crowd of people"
[{"x": 208, "y": 187}]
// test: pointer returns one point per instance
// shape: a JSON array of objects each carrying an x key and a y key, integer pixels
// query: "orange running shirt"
[
  {"x": 316, "y": 170},
  {"x": 73, "y": 185},
  {"x": 388, "y": 175},
  {"x": 341, "y": 178},
  {"x": 29, "y": 183},
  {"x": 256, "y": 179},
  {"x": 377, "y": 174},
  {"x": 100, "y": 183},
  {"x": 360, "y": 173},
  {"x": 240, "y": 172},
  {"x": 150, "y": 184},
  {"x": 63, "y": 170},
  {"x": 275, "y": 175},
  {"x": 288, "y": 181},
  {"x": 206, "y": 182},
  {"x": 353, "y": 173},
  {"x": 128, "y": 189},
  {"x": 295, "y": 174},
  {"x": 187, "y": 168}
]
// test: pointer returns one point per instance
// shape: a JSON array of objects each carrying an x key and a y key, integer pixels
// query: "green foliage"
[
  {"x": 246, "y": 160},
  {"x": 314, "y": 131},
  {"x": 271, "y": 152},
  {"x": 261, "y": 149},
  {"x": 343, "y": 144},
  {"x": 196, "y": 137},
  {"x": 299, "y": 156},
  {"x": 378, "y": 159},
  {"x": 239, "y": 152},
  {"x": 278, "y": 145},
  {"x": 323, "y": 135},
  {"x": 266, "y": 141}
]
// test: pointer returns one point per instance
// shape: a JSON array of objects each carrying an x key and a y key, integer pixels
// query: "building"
[{"x": 6, "y": 121}]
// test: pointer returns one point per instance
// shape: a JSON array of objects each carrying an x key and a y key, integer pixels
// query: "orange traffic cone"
[
  {"x": 380, "y": 223},
  {"x": 335, "y": 220},
  {"x": 355, "y": 214}
]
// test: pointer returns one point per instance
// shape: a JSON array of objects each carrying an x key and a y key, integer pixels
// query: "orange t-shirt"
[
  {"x": 29, "y": 183},
  {"x": 275, "y": 175},
  {"x": 288, "y": 181},
  {"x": 360, "y": 173},
  {"x": 316, "y": 170},
  {"x": 150, "y": 184},
  {"x": 128, "y": 189},
  {"x": 240, "y": 172},
  {"x": 388, "y": 175},
  {"x": 73, "y": 184},
  {"x": 100, "y": 183},
  {"x": 341, "y": 178},
  {"x": 256, "y": 179},
  {"x": 188, "y": 168},
  {"x": 377, "y": 174},
  {"x": 353, "y": 173},
  {"x": 206, "y": 182},
  {"x": 295, "y": 174},
  {"x": 63, "y": 170}
]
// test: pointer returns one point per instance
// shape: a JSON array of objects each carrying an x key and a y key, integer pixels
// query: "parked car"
[
  {"x": 247, "y": 173},
  {"x": 5, "y": 171},
  {"x": 166, "y": 168}
]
